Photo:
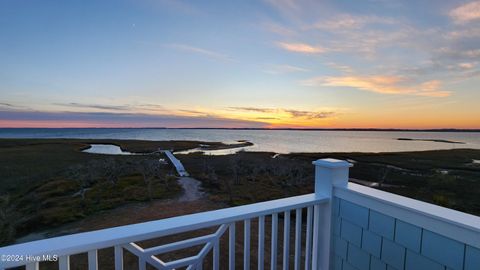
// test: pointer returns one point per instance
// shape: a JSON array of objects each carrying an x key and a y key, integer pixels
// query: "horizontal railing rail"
[{"x": 124, "y": 237}]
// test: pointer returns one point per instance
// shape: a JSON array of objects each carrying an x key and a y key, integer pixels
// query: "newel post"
[{"x": 328, "y": 173}]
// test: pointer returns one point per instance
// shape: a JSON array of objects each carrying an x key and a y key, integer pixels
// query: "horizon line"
[{"x": 297, "y": 129}]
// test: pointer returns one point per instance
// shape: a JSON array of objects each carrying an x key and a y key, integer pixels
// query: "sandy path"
[{"x": 191, "y": 189}]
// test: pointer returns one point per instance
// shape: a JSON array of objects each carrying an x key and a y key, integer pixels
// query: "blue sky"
[{"x": 378, "y": 63}]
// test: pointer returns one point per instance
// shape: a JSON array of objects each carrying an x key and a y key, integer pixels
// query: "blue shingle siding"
[
  {"x": 376, "y": 264},
  {"x": 366, "y": 239},
  {"x": 351, "y": 233},
  {"x": 443, "y": 250},
  {"x": 393, "y": 254},
  {"x": 382, "y": 224},
  {"x": 340, "y": 247},
  {"x": 371, "y": 243},
  {"x": 472, "y": 258},
  {"x": 347, "y": 266},
  {"x": 408, "y": 235},
  {"x": 354, "y": 213},
  {"x": 415, "y": 261},
  {"x": 336, "y": 225},
  {"x": 359, "y": 258},
  {"x": 337, "y": 264},
  {"x": 336, "y": 207}
]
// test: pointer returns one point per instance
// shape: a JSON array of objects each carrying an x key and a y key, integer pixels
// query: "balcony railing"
[{"x": 340, "y": 226}]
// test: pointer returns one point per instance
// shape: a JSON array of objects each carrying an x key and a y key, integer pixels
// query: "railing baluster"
[
  {"x": 64, "y": 262},
  {"x": 118, "y": 258},
  {"x": 216, "y": 254},
  {"x": 32, "y": 266},
  {"x": 273, "y": 261},
  {"x": 92, "y": 260},
  {"x": 316, "y": 234},
  {"x": 286, "y": 240},
  {"x": 298, "y": 237},
  {"x": 200, "y": 266},
  {"x": 231, "y": 247},
  {"x": 308, "y": 239},
  {"x": 142, "y": 264},
  {"x": 261, "y": 242},
  {"x": 246, "y": 245}
]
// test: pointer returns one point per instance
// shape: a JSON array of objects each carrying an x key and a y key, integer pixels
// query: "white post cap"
[{"x": 332, "y": 163}]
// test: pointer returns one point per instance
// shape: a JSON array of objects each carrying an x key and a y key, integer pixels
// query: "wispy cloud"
[
  {"x": 466, "y": 65},
  {"x": 340, "y": 67},
  {"x": 290, "y": 113},
  {"x": 208, "y": 53},
  {"x": 288, "y": 8},
  {"x": 149, "y": 106},
  {"x": 193, "y": 112},
  {"x": 366, "y": 38},
  {"x": 466, "y": 13},
  {"x": 283, "y": 69},
  {"x": 253, "y": 109},
  {"x": 350, "y": 22},
  {"x": 133, "y": 107},
  {"x": 301, "y": 48},
  {"x": 382, "y": 85},
  {"x": 178, "y": 6},
  {"x": 278, "y": 29},
  {"x": 108, "y": 119},
  {"x": 6, "y": 104},
  {"x": 10, "y": 106},
  {"x": 457, "y": 53},
  {"x": 95, "y": 106},
  {"x": 311, "y": 114}
]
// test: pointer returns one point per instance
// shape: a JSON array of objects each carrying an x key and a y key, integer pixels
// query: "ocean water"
[{"x": 279, "y": 141}]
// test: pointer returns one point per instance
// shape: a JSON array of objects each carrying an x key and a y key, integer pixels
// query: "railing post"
[{"x": 328, "y": 173}]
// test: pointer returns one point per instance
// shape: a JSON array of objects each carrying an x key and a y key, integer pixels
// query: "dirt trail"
[{"x": 191, "y": 189}]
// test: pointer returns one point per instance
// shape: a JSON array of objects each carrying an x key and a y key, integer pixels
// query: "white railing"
[{"x": 310, "y": 245}]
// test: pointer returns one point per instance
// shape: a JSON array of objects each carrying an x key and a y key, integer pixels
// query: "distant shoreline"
[
  {"x": 429, "y": 140},
  {"x": 274, "y": 129}
]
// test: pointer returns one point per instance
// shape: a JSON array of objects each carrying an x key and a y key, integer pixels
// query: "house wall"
[{"x": 367, "y": 239}]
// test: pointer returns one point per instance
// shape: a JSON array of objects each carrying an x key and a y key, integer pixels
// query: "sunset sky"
[{"x": 272, "y": 64}]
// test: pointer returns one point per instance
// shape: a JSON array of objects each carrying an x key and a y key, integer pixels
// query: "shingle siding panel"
[
  {"x": 376, "y": 264},
  {"x": 415, "y": 261},
  {"x": 382, "y": 224},
  {"x": 408, "y": 235},
  {"x": 359, "y": 258},
  {"x": 336, "y": 207},
  {"x": 371, "y": 243},
  {"x": 347, "y": 266},
  {"x": 354, "y": 213},
  {"x": 472, "y": 258},
  {"x": 336, "y": 226},
  {"x": 393, "y": 254},
  {"x": 337, "y": 265},
  {"x": 340, "y": 247},
  {"x": 443, "y": 250},
  {"x": 352, "y": 233}
]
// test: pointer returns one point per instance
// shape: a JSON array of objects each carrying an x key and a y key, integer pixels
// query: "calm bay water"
[{"x": 280, "y": 141}]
